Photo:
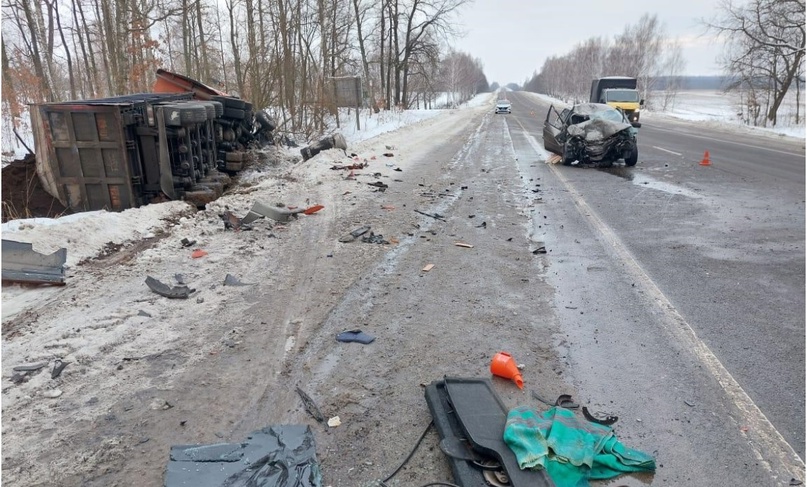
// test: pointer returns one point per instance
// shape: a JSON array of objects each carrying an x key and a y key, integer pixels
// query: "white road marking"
[
  {"x": 779, "y": 457},
  {"x": 665, "y": 150}
]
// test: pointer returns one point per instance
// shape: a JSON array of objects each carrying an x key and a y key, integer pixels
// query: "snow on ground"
[
  {"x": 12, "y": 148},
  {"x": 86, "y": 235}
]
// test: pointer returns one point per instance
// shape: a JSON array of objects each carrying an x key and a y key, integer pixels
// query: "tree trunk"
[
  {"x": 95, "y": 85},
  {"x": 36, "y": 56},
  {"x": 203, "y": 61},
  {"x": 73, "y": 95},
  {"x": 364, "y": 63}
]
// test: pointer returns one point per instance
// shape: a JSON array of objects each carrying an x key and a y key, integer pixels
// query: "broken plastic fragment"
[
  {"x": 357, "y": 336},
  {"x": 175, "y": 292},
  {"x": 313, "y": 209},
  {"x": 198, "y": 253},
  {"x": 334, "y": 422}
]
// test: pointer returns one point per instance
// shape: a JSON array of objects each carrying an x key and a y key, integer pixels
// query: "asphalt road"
[{"x": 683, "y": 285}]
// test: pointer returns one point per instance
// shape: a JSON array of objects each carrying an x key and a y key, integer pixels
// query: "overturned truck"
[{"x": 183, "y": 142}]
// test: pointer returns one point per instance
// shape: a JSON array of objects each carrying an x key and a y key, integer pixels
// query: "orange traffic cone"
[
  {"x": 706, "y": 161},
  {"x": 504, "y": 366}
]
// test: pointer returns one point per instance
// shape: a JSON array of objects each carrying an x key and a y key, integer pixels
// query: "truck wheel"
[
  {"x": 235, "y": 113},
  {"x": 219, "y": 107},
  {"x": 634, "y": 157},
  {"x": 190, "y": 113},
  {"x": 234, "y": 157},
  {"x": 171, "y": 114}
]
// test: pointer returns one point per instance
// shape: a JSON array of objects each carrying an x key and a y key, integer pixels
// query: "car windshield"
[
  {"x": 608, "y": 114},
  {"x": 622, "y": 96},
  {"x": 504, "y": 102}
]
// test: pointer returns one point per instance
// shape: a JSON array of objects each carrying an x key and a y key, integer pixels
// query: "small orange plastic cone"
[
  {"x": 504, "y": 366},
  {"x": 706, "y": 161}
]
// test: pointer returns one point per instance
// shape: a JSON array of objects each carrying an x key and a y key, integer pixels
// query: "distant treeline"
[{"x": 700, "y": 82}]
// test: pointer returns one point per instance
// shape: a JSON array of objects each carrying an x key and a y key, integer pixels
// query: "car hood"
[{"x": 597, "y": 130}]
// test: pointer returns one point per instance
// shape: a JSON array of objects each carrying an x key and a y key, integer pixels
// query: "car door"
[{"x": 552, "y": 128}]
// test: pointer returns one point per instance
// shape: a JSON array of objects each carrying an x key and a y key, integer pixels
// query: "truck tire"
[
  {"x": 634, "y": 157},
  {"x": 230, "y": 102},
  {"x": 235, "y": 113},
  {"x": 211, "y": 110},
  {"x": 234, "y": 166},
  {"x": 234, "y": 157},
  {"x": 191, "y": 113},
  {"x": 171, "y": 114},
  {"x": 219, "y": 107}
]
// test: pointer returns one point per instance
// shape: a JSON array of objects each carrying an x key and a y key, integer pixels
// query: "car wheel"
[
  {"x": 567, "y": 161},
  {"x": 634, "y": 157}
]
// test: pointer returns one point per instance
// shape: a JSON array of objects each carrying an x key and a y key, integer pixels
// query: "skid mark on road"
[{"x": 769, "y": 446}]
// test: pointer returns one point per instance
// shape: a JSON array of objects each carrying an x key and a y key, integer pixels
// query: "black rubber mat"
[{"x": 469, "y": 409}]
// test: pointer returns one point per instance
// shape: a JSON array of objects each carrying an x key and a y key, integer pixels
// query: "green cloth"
[{"x": 572, "y": 450}]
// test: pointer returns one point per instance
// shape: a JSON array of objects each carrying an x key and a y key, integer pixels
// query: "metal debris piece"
[
  {"x": 436, "y": 216},
  {"x": 539, "y": 250},
  {"x": 231, "y": 280},
  {"x": 463, "y": 245},
  {"x": 311, "y": 406},
  {"x": 374, "y": 238},
  {"x": 58, "y": 367},
  {"x": 428, "y": 267},
  {"x": 30, "y": 368},
  {"x": 175, "y": 292},
  {"x": 275, "y": 456},
  {"x": 378, "y": 184},
  {"x": 187, "y": 243},
  {"x": 231, "y": 222},
  {"x": 22, "y": 264},
  {"x": 143, "y": 313},
  {"x": 357, "y": 336},
  {"x": 607, "y": 421}
]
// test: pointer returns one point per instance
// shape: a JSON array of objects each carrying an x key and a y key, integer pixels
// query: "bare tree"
[{"x": 765, "y": 45}]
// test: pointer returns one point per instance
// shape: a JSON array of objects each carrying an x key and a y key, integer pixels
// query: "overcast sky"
[{"x": 512, "y": 38}]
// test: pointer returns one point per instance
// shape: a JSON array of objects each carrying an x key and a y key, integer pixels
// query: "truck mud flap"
[{"x": 467, "y": 410}]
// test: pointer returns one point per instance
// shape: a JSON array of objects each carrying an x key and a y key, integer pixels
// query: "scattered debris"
[
  {"x": 312, "y": 210},
  {"x": 355, "y": 234},
  {"x": 607, "y": 421},
  {"x": 198, "y": 254},
  {"x": 275, "y": 456},
  {"x": 471, "y": 216},
  {"x": 388, "y": 154},
  {"x": 539, "y": 250},
  {"x": 381, "y": 186},
  {"x": 387, "y": 207},
  {"x": 336, "y": 141},
  {"x": 482, "y": 225},
  {"x": 374, "y": 238},
  {"x": 232, "y": 222},
  {"x": 187, "y": 243},
  {"x": 143, "y": 313},
  {"x": 30, "y": 368},
  {"x": 58, "y": 367},
  {"x": 180, "y": 279},
  {"x": 22, "y": 264},
  {"x": 690, "y": 404},
  {"x": 351, "y": 167},
  {"x": 172, "y": 292},
  {"x": 436, "y": 216},
  {"x": 357, "y": 336},
  {"x": 231, "y": 280},
  {"x": 334, "y": 422},
  {"x": 311, "y": 406},
  {"x": 463, "y": 187},
  {"x": 160, "y": 404},
  {"x": 463, "y": 245},
  {"x": 428, "y": 267},
  {"x": 52, "y": 393},
  {"x": 261, "y": 210},
  {"x": 795, "y": 481}
]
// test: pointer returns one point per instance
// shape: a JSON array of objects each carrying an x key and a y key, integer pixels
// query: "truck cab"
[{"x": 619, "y": 92}]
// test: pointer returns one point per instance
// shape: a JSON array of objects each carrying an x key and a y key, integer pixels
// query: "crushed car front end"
[{"x": 596, "y": 141}]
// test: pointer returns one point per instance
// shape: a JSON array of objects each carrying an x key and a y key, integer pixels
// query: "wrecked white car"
[{"x": 591, "y": 133}]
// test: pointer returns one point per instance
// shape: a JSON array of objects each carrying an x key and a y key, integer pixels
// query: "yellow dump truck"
[{"x": 619, "y": 92}]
